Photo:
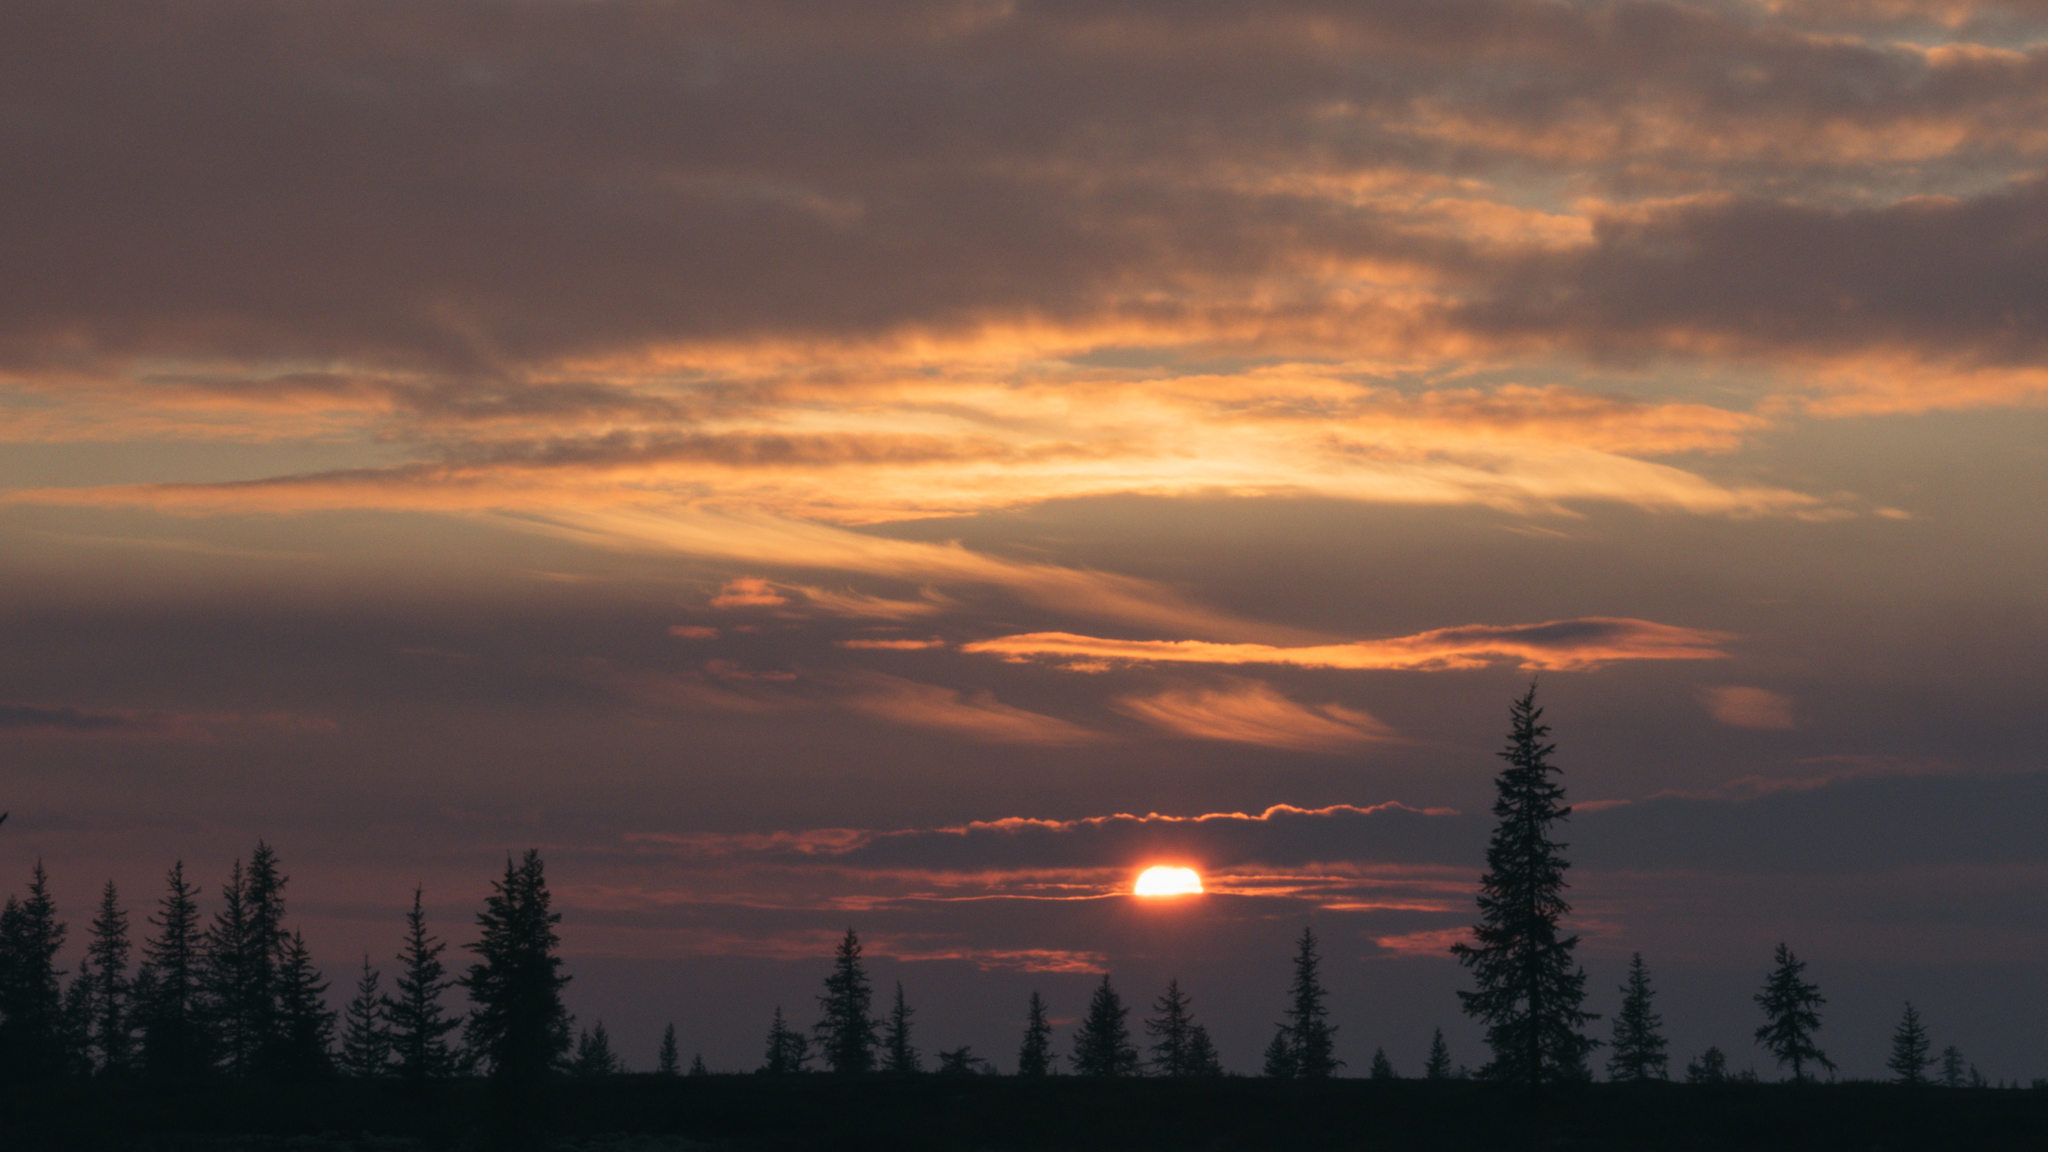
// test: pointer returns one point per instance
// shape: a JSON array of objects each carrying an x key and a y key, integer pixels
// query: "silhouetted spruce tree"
[
  {"x": 302, "y": 1046},
  {"x": 1102, "y": 1044},
  {"x": 788, "y": 1050},
  {"x": 1952, "y": 1075},
  {"x": 1382, "y": 1068},
  {"x": 243, "y": 948},
  {"x": 1791, "y": 1018},
  {"x": 1309, "y": 1032},
  {"x": 846, "y": 1034},
  {"x": 1202, "y": 1057},
  {"x": 1438, "y": 1066},
  {"x": 668, "y": 1062},
  {"x": 1710, "y": 1068},
  {"x": 899, "y": 1055},
  {"x": 1171, "y": 1031},
  {"x": 1279, "y": 1062},
  {"x": 1529, "y": 990},
  {"x": 594, "y": 1055},
  {"x": 1638, "y": 1045},
  {"x": 517, "y": 1025},
  {"x": 34, "y": 1029},
  {"x": 1034, "y": 1056},
  {"x": 275, "y": 1052},
  {"x": 962, "y": 1061},
  {"x": 112, "y": 1038},
  {"x": 697, "y": 1067},
  {"x": 1910, "y": 1060},
  {"x": 75, "y": 1033},
  {"x": 365, "y": 1035},
  {"x": 169, "y": 991},
  {"x": 419, "y": 1024}
]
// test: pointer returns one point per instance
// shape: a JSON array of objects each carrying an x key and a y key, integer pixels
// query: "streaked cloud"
[
  {"x": 977, "y": 715},
  {"x": 1252, "y": 712},
  {"x": 1559, "y": 645}
]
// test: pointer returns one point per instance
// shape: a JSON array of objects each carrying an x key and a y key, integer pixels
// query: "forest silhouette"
[{"x": 195, "y": 1028}]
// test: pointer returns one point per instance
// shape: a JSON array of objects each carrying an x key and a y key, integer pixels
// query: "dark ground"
[{"x": 1005, "y": 1114}]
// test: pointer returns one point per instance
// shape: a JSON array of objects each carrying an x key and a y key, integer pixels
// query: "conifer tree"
[
  {"x": 169, "y": 993},
  {"x": 517, "y": 1025},
  {"x": 1279, "y": 1063},
  {"x": 34, "y": 1030},
  {"x": 594, "y": 1055},
  {"x": 1710, "y": 1068},
  {"x": 1309, "y": 1031},
  {"x": 1438, "y": 1066},
  {"x": 1034, "y": 1057},
  {"x": 1910, "y": 1060},
  {"x": 899, "y": 1055},
  {"x": 1202, "y": 1057},
  {"x": 1791, "y": 1016},
  {"x": 697, "y": 1067},
  {"x": 1102, "y": 1044},
  {"x": 419, "y": 1023},
  {"x": 112, "y": 1036},
  {"x": 302, "y": 1041},
  {"x": 1952, "y": 1075},
  {"x": 1638, "y": 1045},
  {"x": 243, "y": 948},
  {"x": 846, "y": 1034},
  {"x": 788, "y": 1050},
  {"x": 962, "y": 1061},
  {"x": 1172, "y": 1032},
  {"x": 74, "y": 1031},
  {"x": 1529, "y": 989},
  {"x": 1382, "y": 1068},
  {"x": 365, "y": 1037},
  {"x": 667, "y": 1062}
]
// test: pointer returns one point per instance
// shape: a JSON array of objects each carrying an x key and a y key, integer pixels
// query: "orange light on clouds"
[{"x": 1167, "y": 881}]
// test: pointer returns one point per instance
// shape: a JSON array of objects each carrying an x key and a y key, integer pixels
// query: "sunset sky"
[{"x": 912, "y": 465}]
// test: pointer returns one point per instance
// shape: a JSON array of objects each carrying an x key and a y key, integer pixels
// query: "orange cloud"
[
  {"x": 748, "y": 592},
  {"x": 1251, "y": 712},
  {"x": 1748, "y": 707},
  {"x": 978, "y": 716},
  {"x": 1557, "y": 645}
]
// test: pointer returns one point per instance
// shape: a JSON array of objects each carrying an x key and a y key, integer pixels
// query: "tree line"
[{"x": 240, "y": 996}]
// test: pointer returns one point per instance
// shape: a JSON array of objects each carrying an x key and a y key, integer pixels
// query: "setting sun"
[{"x": 1165, "y": 881}]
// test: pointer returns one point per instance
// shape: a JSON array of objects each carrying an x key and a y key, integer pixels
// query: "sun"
[{"x": 1167, "y": 881}]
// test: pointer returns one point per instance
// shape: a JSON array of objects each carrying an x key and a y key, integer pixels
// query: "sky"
[{"x": 911, "y": 465}]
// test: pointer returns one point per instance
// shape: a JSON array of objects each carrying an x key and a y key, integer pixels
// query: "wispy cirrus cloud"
[
  {"x": 1559, "y": 645},
  {"x": 1252, "y": 712}
]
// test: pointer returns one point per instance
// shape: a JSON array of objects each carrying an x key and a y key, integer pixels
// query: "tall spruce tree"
[
  {"x": 301, "y": 1046},
  {"x": 1202, "y": 1059},
  {"x": 365, "y": 1035},
  {"x": 1529, "y": 989},
  {"x": 1910, "y": 1061},
  {"x": 1311, "y": 1036},
  {"x": 898, "y": 1054},
  {"x": 1438, "y": 1066},
  {"x": 1638, "y": 1043},
  {"x": 789, "y": 1051},
  {"x": 668, "y": 1062},
  {"x": 1102, "y": 1044},
  {"x": 517, "y": 1024},
  {"x": 846, "y": 1034},
  {"x": 112, "y": 1035},
  {"x": 35, "y": 1030},
  {"x": 170, "y": 990},
  {"x": 243, "y": 949},
  {"x": 1791, "y": 1016},
  {"x": 1034, "y": 1055},
  {"x": 267, "y": 944},
  {"x": 1172, "y": 1032},
  {"x": 419, "y": 1024}
]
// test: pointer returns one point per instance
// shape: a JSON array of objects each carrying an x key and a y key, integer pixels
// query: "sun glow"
[{"x": 1166, "y": 881}]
